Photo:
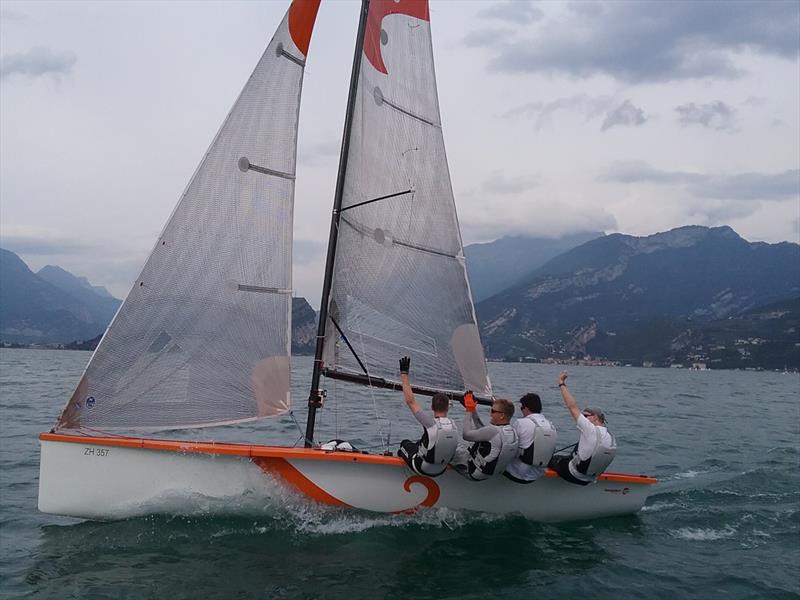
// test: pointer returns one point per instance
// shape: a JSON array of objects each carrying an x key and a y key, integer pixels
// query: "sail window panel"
[
  {"x": 391, "y": 300},
  {"x": 188, "y": 347}
]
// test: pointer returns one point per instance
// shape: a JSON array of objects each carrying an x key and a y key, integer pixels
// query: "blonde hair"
[{"x": 504, "y": 406}]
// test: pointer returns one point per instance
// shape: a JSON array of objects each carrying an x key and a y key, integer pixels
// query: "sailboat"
[{"x": 203, "y": 337}]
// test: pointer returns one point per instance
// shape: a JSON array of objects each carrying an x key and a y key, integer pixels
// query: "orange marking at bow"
[
  {"x": 301, "y": 483},
  {"x": 302, "y": 15},
  {"x": 378, "y": 9}
]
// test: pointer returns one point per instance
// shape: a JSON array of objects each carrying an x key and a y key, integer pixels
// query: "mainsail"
[
  {"x": 399, "y": 282},
  {"x": 203, "y": 337}
]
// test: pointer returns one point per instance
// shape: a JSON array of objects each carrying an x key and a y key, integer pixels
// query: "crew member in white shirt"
[
  {"x": 537, "y": 442},
  {"x": 596, "y": 446}
]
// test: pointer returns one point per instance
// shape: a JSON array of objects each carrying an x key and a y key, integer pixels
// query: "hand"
[
  {"x": 405, "y": 365},
  {"x": 562, "y": 378},
  {"x": 469, "y": 402}
]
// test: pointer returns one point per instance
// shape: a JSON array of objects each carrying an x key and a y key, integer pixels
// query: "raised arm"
[
  {"x": 566, "y": 395},
  {"x": 473, "y": 429},
  {"x": 408, "y": 394}
]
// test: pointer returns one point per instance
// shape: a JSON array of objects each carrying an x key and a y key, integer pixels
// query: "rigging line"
[
  {"x": 346, "y": 341},
  {"x": 336, "y": 406},
  {"x": 565, "y": 447},
  {"x": 363, "y": 231},
  {"x": 408, "y": 191},
  {"x": 300, "y": 429}
]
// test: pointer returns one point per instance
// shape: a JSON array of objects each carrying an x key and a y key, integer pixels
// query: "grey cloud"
[
  {"x": 488, "y": 36},
  {"x": 755, "y": 101},
  {"x": 499, "y": 183},
  {"x": 640, "y": 172},
  {"x": 716, "y": 115},
  {"x": 37, "y": 62},
  {"x": 515, "y": 11},
  {"x": 626, "y": 114},
  {"x": 655, "y": 41},
  {"x": 45, "y": 245},
  {"x": 745, "y": 186},
  {"x": 752, "y": 186},
  {"x": 543, "y": 111},
  {"x": 719, "y": 212},
  {"x": 590, "y": 9}
]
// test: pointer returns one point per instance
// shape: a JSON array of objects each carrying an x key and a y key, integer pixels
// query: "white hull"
[{"x": 108, "y": 478}]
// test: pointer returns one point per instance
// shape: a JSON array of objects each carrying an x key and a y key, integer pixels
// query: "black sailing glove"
[{"x": 405, "y": 365}]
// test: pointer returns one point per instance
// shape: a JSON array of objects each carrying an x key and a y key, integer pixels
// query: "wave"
[
  {"x": 690, "y": 474},
  {"x": 703, "y": 534},
  {"x": 271, "y": 506},
  {"x": 659, "y": 506}
]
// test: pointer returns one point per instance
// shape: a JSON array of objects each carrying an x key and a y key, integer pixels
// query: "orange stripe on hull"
[
  {"x": 282, "y": 469},
  {"x": 254, "y": 451}
]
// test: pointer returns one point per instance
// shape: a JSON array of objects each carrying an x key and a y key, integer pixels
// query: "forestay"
[
  {"x": 203, "y": 337},
  {"x": 400, "y": 284}
]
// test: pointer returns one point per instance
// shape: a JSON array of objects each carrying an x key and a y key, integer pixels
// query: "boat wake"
[{"x": 271, "y": 505}]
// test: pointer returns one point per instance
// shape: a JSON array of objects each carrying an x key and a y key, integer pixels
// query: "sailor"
[
  {"x": 494, "y": 445},
  {"x": 596, "y": 446},
  {"x": 432, "y": 453},
  {"x": 537, "y": 442}
]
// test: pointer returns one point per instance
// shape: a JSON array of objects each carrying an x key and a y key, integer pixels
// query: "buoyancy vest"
[
  {"x": 488, "y": 458},
  {"x": 437, "y": 447},
  {"x": 541, "y": 449},
  {"x": 602, "y": 456}
]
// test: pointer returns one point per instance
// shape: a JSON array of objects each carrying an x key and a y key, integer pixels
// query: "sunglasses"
[{"x": 496, "y": 411}]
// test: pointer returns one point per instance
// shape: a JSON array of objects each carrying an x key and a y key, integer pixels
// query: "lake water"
[{"x": 723, "y": 522}]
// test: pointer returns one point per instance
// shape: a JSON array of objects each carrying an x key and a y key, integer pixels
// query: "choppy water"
[{"x": 723, "y": 522}]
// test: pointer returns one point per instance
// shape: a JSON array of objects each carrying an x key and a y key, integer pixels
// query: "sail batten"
[
  {"x": 399, "y": 284},
  {"x": 187, "y": 347}
]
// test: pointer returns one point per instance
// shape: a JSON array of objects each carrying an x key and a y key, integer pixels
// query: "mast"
[{"x": 315, "y": 394}]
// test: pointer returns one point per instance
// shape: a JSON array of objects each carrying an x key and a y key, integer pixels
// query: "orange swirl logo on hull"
[
  {"x": 292, "y": 476},
  {"x": 378, "y": 9},
  {"x": 429, "y": 484}
]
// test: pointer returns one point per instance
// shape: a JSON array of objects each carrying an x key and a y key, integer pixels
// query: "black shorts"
[
  {"x": 560, "y": 464},
  {"x": 407, "y": 451}
]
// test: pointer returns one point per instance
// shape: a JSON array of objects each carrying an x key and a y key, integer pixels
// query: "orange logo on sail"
[{"x": 373, "y": 36}]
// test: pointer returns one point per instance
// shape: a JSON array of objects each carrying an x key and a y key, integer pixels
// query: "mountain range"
[
  {"x": 691, "y": 295},
  {"x": 51, "y": 306},
  {"x": 642, "y": 291},
  {"x": 495, "y": 266}
]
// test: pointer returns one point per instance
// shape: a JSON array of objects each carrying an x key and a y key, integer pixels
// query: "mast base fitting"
[{"x": 317, "y": 398}]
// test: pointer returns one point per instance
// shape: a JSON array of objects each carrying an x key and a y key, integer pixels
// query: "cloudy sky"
[{"x": 630, "y": 117}]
